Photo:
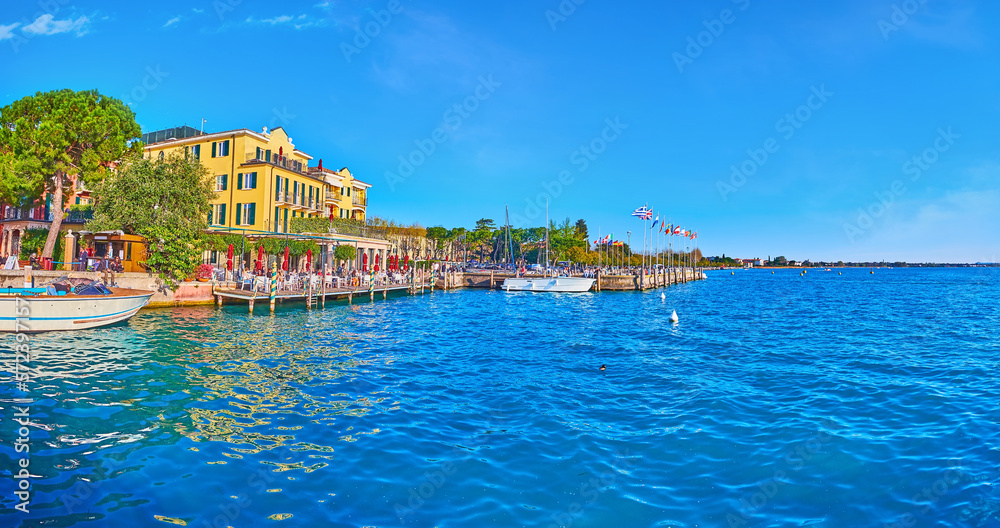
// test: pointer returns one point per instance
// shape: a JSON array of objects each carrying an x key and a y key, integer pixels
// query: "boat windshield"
[{"x": 92, "y": 288}]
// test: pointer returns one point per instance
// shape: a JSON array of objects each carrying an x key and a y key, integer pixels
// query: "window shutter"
[
  {"x": 214, "y": 145},
  {"x": 267, "y": 155},
  {"x": 252, "y": 214},
  {"x": 209, "y": 218},
  {"x": 253, "y": 182},
  {"x": 239, "y": 182},
  {"x": 258, "y": 153},
  {"x": 225, "y": 181},
  {"x": 222, "y": 214},
  {"x": 239, "y": 213}
]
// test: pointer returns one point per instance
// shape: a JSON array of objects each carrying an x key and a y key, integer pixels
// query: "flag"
[
  {"x": 677, "y": 230},
  {"x": 695, "y": 235},
  {"x": 641, "y": 212},
  {"x": 667, "y": 227},
  {"x": 655, "y": 222}
]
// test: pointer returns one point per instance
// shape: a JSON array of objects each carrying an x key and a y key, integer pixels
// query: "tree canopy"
[
  {"x": 49, "y": 137},
  {"x": 165, "y": 201}
]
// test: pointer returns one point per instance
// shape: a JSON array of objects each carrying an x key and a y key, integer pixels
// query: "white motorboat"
[
  {"x": 67, "y": 304},
  {"x": 548, "y": 284}
]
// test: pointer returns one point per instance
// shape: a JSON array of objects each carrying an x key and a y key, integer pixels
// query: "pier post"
[
  {"x": 491, "y": 279},
  {"x": 322, "y": 288},
  {"x": 273, "y": 285},
  {"x": 598, "y": 283}
]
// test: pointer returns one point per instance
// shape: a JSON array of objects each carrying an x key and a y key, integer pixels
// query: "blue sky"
[{"x": 600, "y": 106}]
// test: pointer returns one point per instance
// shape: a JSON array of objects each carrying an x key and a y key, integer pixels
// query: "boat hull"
[
  {"x": 548, "y": 284},
  {"x": 47, "y": 313}
]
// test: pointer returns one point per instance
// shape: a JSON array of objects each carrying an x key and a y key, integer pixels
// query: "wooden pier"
[
  {"x": 363, "y": 291},
  {"x": 227, "y": 293},
  {"x": 604, "y": 282}
]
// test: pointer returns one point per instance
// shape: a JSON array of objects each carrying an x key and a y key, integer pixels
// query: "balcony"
[
  {"x": 359, "y": 201},
  {"x": 277, "y": 161},
  {"x": 72, "y": 217}
]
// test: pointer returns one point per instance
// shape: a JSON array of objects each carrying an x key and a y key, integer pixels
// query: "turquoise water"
[{"x": 778, "y": 400}]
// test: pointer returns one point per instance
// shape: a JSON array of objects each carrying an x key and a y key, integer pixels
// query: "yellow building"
[
  {"x": 262, "y": 180},
  {"x": 346, "y": 196}
]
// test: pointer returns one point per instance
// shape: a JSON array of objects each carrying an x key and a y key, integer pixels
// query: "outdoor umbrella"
[
  {"x": 284, "y": 265},
  {"x": 378, "y": 259},
  {"x": 406, "y": 261},
  {"x": 364, "y": 261},
  {"x": 309, "y": 259},
  {"x": 229, "y": 258},
  {"x": 260, "y": 256}
]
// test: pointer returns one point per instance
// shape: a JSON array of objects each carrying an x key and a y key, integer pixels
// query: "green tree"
[
  {"x": 345, "y": 253},
  {"x": 581, "y": 229},
  {"x": 59, "y": 134},
  {"x": 482, "y": 235},
  {"x": 166, "y": 202},
  {"x": 33, "y": 240},
  {"x": 437, "y": 234}
]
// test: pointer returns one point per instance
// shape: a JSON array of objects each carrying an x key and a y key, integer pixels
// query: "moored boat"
[
  {"x": 67, "y": 304},
  {"x": 548, "y": 284}
]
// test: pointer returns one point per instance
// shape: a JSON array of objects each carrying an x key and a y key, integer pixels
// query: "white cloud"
[
  {"x": 172, "y": 21},
  {"x": 322, "y": 5},
  {"x": 278, "y": 20},
  {"x": 196, "y": 10},
  {"x": 46, "y": 25},
  {"x": 7, "y": 32}
]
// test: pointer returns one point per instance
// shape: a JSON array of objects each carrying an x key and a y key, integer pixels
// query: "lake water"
[{"x": 778, "y": 400}]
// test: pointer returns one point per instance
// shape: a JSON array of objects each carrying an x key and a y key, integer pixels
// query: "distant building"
[
  {"x": 750, "y": 262},
  {"x": 15, "y": 219}
]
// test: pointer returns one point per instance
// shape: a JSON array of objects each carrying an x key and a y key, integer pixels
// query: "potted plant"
[{"x": 205, "y": 272}]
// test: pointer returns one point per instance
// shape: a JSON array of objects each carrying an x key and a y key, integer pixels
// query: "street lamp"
[{"x": 629, "y": 233}]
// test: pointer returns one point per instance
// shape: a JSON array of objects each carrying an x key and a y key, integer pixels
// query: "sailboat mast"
[{"x": 546, "y": 236}]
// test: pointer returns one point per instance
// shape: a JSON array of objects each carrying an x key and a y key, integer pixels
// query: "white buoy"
[{"x": 673, "y": 317}]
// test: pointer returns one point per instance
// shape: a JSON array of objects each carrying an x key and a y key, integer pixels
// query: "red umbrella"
[
  {"x": 406, "y": 261},
  {"x": 260, "y": 255},
  {"x": 309, "y": 258},
  {"x": 364, "y": 261},
  {"x": 229, "y": 258},
  {"x": 284, "y": 265},
  {"x": 378, "y": 260}
]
